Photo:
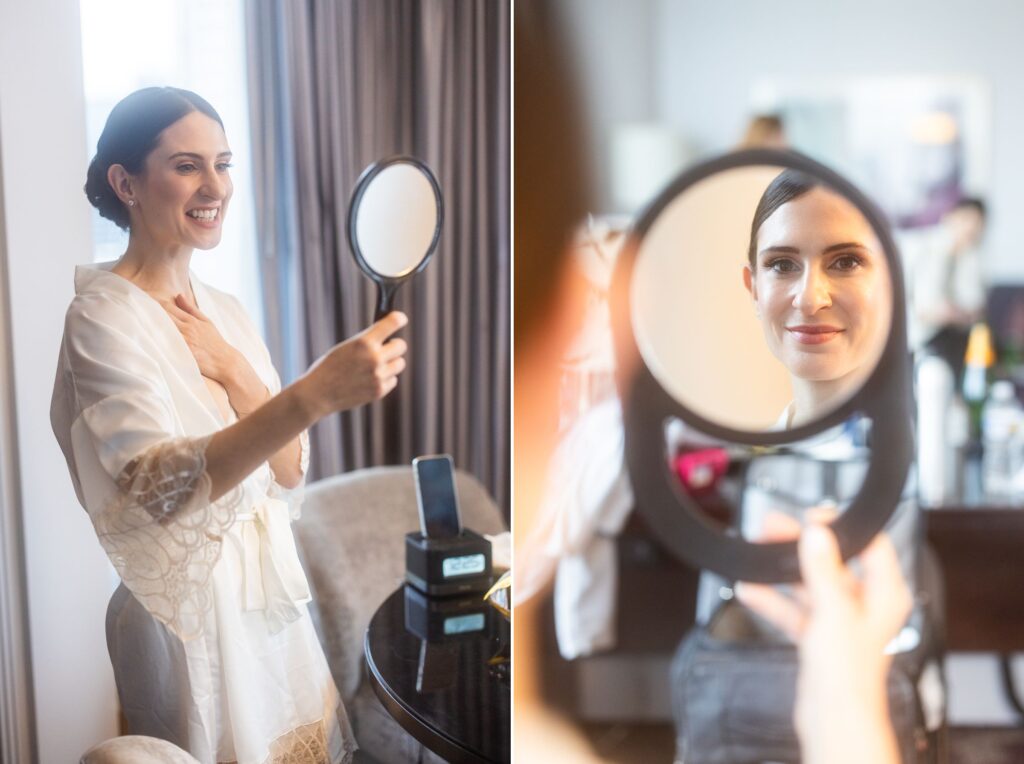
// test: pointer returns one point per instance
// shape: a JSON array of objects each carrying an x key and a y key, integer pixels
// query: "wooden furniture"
[{"x": 981, "y": 552}]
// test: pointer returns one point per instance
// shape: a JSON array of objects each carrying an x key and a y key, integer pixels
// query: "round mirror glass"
[
  {"x": 761, "y": 298},
  {"x": 761, "y": 353},
  {"x": 394, "y": 222}
]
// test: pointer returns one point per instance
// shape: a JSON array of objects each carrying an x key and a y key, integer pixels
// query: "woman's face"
[
  {"x": 183, "y": 193},
  {"x": 821, "y": 288}
]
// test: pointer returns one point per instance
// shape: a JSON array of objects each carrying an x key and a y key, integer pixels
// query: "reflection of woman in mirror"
[
  {"x": 819, "y": 280},
  {"x": 190, "y": 459},
  {"x": 820, "y": 285}
]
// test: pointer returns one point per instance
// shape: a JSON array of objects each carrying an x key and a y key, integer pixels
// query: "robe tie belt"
[{"x": 272, "y": 577}]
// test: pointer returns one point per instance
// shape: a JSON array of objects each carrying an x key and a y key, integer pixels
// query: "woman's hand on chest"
[
  {"x": 214, "y": 355},
  {"x": 217, "y": 359}
]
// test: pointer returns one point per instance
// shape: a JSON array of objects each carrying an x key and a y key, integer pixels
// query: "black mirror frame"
[
  {"x": 885, "y": 397},
  {"x": 388, "y": 285}
]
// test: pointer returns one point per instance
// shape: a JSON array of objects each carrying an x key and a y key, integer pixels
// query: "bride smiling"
[
  {"x": 819, "y": 282},
  {"x": 190, "y": 459}
]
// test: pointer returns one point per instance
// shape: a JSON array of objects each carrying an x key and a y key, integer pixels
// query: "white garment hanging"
[
  {"x": 936, "y": 277},
  {"x": 214, "y": 649},
  {"x": 587, "y": 500}
]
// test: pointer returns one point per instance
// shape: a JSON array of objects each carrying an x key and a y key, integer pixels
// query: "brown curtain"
[{"x": 336, "y": 85}]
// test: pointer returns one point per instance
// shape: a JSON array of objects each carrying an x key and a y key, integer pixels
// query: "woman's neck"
[
  {"x": 812, "y": 400},
  {"x": 160, "y": 271}
]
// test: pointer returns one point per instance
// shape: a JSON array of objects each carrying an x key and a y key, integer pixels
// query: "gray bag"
[{"x": 734, "y": 691}]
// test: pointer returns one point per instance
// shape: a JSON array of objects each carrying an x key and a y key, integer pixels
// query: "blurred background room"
[
  {"x": 918, "y": 105},
  {"x": 311, "y": 93}
]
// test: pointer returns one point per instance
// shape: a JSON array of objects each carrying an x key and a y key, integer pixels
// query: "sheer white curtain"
[{"x": 198, "y": 45}]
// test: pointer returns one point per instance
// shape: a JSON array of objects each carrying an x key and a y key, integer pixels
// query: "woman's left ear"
[
  {"x": 748, "y": 282},
  {"x": 121, "y": 181}
]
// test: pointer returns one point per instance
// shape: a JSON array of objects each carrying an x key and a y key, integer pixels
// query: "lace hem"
[
  {"x": 303, "y": 745},
  {"x": 293, "y": 496},
  {"x": 307, "y": 744},
  {"x": 163, "y": 534}
]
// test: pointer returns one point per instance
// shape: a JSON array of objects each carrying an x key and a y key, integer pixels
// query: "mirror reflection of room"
[
  {"x": 816, "y": 307},
  {"x": 924, "y": 147},
  {"x": 254, "y": 507}
]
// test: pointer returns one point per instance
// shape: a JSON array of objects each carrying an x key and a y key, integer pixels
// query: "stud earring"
[{"x": 131, "y": 202}]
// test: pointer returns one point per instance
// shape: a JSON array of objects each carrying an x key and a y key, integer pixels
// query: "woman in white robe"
[{"x": 190, "y": 460}]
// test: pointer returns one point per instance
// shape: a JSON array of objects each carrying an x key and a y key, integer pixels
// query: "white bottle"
[
  {"x": 934, "y": 394},
  {"x": 1001, "y": 421}
]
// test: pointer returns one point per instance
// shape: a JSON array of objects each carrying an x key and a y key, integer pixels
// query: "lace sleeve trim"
[{"x": 163, "y": 534}]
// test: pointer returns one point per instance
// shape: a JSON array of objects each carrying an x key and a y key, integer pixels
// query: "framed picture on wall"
[{"x": 916, "y": 144}]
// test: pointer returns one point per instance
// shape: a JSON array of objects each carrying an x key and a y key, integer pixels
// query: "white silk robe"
[{"x": 212, "y": 645}]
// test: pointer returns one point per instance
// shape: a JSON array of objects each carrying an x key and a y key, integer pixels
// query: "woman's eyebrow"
[
  {"x": 193, "y": 155},
  {"x": 781, "y": 250},
  {"x": 845, "y": 245},
  {"x": 842, "y": 246}
]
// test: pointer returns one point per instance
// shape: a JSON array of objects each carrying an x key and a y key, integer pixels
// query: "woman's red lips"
[{"x": 814, "y": 334}]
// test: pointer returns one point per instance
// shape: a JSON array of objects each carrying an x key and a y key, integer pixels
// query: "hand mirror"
[
  {"x": 394, "y": 221},
  {"x": 757, "y": 308}
]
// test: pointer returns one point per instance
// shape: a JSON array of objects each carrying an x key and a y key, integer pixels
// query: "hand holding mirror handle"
[
  {"x": 394, "y": 222},
  {"x": 386, "y": 291}
]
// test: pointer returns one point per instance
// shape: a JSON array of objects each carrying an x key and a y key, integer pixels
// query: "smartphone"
[{"x": 435, "y": 495}]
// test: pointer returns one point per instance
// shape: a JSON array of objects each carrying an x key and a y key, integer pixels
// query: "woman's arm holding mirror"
[
  {"x": 359, "y": 370},
  {"x": 246, "y": 393},
  {"x": 222, "y": 362}
]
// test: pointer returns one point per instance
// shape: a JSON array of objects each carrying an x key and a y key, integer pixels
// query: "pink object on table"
[{"x": 700, "y": 470}]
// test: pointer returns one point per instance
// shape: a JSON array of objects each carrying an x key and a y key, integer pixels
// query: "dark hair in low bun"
[
  {"x": 132, "y": 131},
  {"x": 787, "y": 186}
]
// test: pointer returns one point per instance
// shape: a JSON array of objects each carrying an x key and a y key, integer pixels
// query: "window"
[{"x": 194, "y": 44}]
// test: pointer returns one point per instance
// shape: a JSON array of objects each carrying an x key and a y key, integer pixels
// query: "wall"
[
  {"x": 613, "y": 41},
  {"x": 708, "y": 54},
  {"x": 692, "y": 63},
  {"x": 47, "y": 232}
]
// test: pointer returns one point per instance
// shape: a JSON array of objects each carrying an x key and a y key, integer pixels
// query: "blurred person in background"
[
  {"x": 765, "y": 131},
  {"x": 945, "y": 282}
]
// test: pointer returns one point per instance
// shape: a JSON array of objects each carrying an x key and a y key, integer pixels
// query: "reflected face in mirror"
[
  {"x": 760, "y": 298},
  {"x": 819, "y": 282}
]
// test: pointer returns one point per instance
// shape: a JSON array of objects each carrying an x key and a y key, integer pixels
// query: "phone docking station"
[
  {"x": 449, "y": 565},
  {"x": 446, "y": 619}
]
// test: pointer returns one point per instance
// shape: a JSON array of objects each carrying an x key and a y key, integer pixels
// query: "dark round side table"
[{"x": 440, "y": 668}]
